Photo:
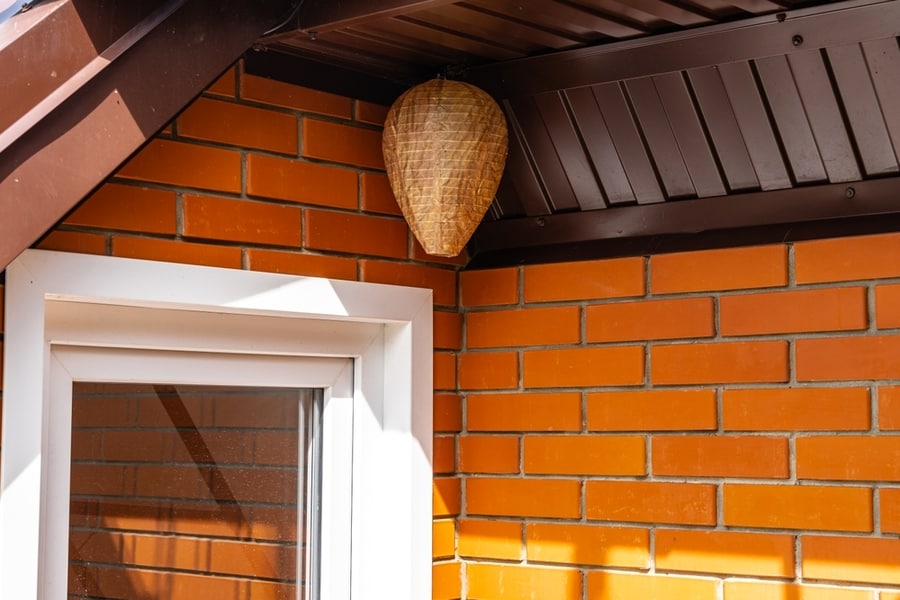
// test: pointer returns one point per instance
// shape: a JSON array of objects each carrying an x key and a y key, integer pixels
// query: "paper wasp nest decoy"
[{"x": 444, "y": 145}]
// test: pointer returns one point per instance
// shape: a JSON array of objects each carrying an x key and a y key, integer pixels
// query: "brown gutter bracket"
[
  {"x": 725, "y": 221},
  {"x": 780, "y": 33},
  {"x": 129, "y": 69}
]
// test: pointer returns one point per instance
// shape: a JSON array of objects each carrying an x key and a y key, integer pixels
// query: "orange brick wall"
[
  {"x": 720, "y": 424},
  {"x": 261, "y": 175}
]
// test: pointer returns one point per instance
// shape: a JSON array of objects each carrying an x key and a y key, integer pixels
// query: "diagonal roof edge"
[{"x": 97, "y": 118}]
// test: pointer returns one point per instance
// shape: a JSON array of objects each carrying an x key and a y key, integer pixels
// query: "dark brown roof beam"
[
  {"x": 327, "y": 15},
  {"x": 782, "y": 33},
  {"x": 758, "y": 217}
]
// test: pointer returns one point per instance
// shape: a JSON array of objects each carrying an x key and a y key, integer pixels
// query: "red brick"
[
  {"x": 650, "y": 320},
  {"x": 796, "y": 409},
  {"x": 73, "y": 241},
  {"x": 170, "y": 482},
  {"x": 101, "y": 412},
  {"x": 657, "y": 410},
  {"x": 719, "y": 362},
  {"x": 488, "y": 370},
  {"x": 229, "y": 220},
  {"x": 334, "y": 142},
  {"x": 355, "y": 233},
  {"x": 279, "y": 447},
  {"x": 616, "y": 586},
  {"x": 847, "y": 259},
  {"x": 441, "y": 281},
  {"x": 584, "y": 367},
  {"x": 186, "y": 165},
  {"x": 444, "y": 367},
  {"x": 447, "y": 496},
  {"x": 251, "y": 559},
  {"x": 552, "y": 498},
  {"x": 443, "y": 539},
  {"x": 523, "y": 327},
  {"x": 224, "y": 85},
  {"x": 491, "y": 287},
  {"x": 377, "y": 195},
  {"x": 103, "y": 480},
  {"x": 301, "y": 263},
  {"x": 725, "y": 552},
  {"x": 849, "y": 458},
  {"x": 842, "y": 359},
  {"x": 488, "y": 454},
  {"x": 277, "y": 93},
  {"x": 239, "y": 125},
  {"x": 518, "y": 581},
  {"x": 174, "y": 251},
  {"x": 127, "y": 208},
  {"x": 887, "y": 306},
  {"x": 565, "y": 543},
  {"x": 447, "y": 413},
  {"x": 747, "y": 590},
  {"x": 446, "y": 581},
  {"x": 839, "y": 309},
  {"x": 524, "y": 412},
  {"x": 720, "y": 456},
  {"x": 716, "y": 270},
  {"x": 890, "y": 510},
  {"x": 367, "y": 112},
  {"x": 584, "y": 455},
  {"x": 798, "y": 507},
  {"x": 866, "y": 560},
  {"x": 651, "y": 502},
  {"x": 132, "y": 445},
  {"x": 615, "y": 278},
  {"x": 444, "y": 452},
  {"x": 447, "y": 330},
  {"x": 298, "y": 181},
  {"x": 889, "y": 408},
  {"x": 490, "y": 539}
]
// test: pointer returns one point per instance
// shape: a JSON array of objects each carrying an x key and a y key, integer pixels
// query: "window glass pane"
[{"x": 187, "y": 492}]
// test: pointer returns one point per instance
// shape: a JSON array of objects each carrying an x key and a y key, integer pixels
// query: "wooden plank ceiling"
[{"x": 644, "y": 125}]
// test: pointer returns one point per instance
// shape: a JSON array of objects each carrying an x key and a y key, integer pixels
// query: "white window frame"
[{"x": 66, "y": 310}]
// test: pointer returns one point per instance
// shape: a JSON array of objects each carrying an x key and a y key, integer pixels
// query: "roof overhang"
[{"x": 88, "y": 82}]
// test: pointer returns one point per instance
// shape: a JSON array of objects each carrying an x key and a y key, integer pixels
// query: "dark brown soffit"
[{"x": 762, "y": 124}]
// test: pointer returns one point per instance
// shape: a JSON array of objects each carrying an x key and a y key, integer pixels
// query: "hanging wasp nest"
[{"x": 445, "y": 145}]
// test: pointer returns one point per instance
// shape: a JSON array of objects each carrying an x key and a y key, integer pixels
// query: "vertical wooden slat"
[
  {"x": 883, "y": 58},
  {"x": 824, "y": 114},
  {"x": 723, "y": 128},
  {"x": 537, "y": 140},
  {"x": 521, "y": 171},
  {"x": 689, "y": 134},
  {"x": 600, "y": 146},
  {"x": 863, "y": 112},
  {"x": 660, "y": 139},
  {"x": 506, "y": 203},
  {"x": 627, "y": 140},
  {"x": 570, "y": 150},
  {"x": 743, "y": 94},
  {"x": 790, "y": 117}
]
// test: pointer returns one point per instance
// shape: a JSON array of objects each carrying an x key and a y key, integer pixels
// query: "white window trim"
[{"x": 56, "y": 300}]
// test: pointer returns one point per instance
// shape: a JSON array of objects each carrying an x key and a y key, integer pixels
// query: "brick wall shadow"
[{"x": 204, "y": 508}]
